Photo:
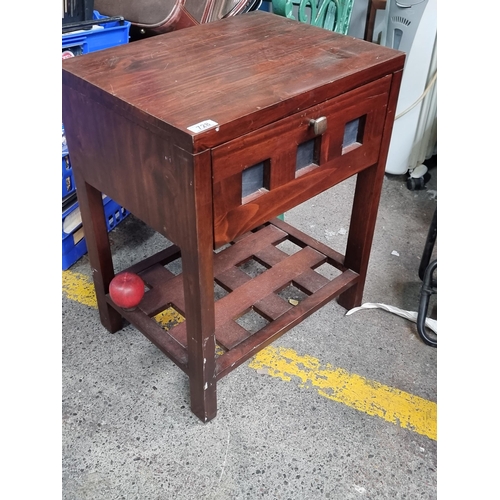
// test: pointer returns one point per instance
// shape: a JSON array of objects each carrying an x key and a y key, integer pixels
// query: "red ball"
[{"x": 126, "y": 290}]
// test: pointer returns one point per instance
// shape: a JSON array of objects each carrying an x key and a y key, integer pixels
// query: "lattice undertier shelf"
[{"x": 275, "y": 274}]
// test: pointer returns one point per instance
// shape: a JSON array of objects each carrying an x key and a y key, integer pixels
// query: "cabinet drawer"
[{"x": 269, "y": 171}]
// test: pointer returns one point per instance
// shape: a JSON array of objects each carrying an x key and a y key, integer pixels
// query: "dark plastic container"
[{"x": 74, "y": 11}]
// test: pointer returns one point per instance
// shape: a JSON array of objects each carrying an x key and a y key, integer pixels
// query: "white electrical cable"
[
  {"x": 426, "y": 91},
  {"x": 411, "y": 315}
]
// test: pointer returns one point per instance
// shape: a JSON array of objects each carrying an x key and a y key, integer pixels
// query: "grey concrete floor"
[{"x": 128, "y": 432}]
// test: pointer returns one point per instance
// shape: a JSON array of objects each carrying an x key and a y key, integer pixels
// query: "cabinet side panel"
[{"x": 140, "y": 170}]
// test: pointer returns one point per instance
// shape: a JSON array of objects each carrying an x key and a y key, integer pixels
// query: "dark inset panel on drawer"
[{"x": 269, "y": 171}]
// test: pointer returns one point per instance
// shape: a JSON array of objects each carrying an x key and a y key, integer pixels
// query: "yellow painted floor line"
[
  {"x": 79, "y": 287},
  {"x": 393, "y": 405}
]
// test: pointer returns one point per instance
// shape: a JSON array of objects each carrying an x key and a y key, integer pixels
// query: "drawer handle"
[{"x": 319, "y": 125}]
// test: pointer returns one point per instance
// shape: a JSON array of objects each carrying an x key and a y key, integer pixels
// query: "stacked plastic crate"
[{"x": 83, "y": 34}]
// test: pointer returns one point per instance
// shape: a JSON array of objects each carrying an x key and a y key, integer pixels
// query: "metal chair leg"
[
  {"x": 429, "y": 246},
  {"x": 429, "y": 287},
  {"x": 429, "y": 283}
]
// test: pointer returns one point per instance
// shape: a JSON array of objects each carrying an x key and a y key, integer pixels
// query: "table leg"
[
  {"x": 365, "y": 207},
  {"x": 198, "y": 278},
  {"x": 99, "y": 252},
  {"x": 197, "y": 271},
  {"x": 362, "y": 227}
]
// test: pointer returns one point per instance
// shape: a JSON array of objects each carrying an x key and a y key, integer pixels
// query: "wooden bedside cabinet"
[{"x": 207, "y": 134}]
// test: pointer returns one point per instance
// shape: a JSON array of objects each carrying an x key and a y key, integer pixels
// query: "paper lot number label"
[{"x": 204, "y": 125}]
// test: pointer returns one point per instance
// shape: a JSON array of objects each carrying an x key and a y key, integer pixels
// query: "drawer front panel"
[{"x": 269, "y": 171}]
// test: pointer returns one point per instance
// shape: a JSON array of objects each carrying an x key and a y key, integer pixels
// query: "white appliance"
[{"x": 411, "y": 26}]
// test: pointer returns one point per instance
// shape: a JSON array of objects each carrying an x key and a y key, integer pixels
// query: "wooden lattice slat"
[{"x": 245, "y": 294}]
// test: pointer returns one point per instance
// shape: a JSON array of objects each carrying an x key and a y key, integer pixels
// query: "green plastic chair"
[{"x": 333, "y": 15}]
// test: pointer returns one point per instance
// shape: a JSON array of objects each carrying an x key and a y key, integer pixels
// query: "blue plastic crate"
[
  {"x": 68, "y": 182},
  {"x": 75, "y": 43},
  {"x": 74, "y": 245},
  {"x": 98, "y": 38}
]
